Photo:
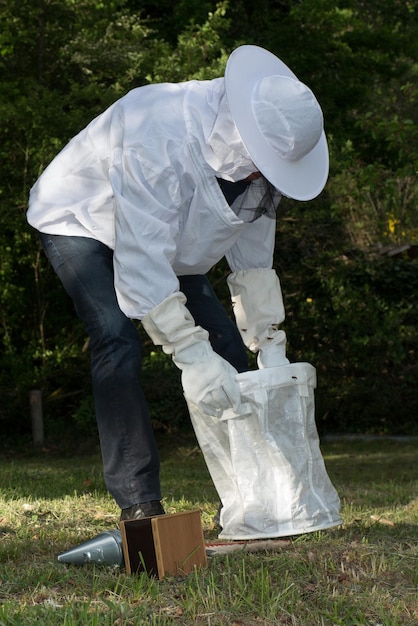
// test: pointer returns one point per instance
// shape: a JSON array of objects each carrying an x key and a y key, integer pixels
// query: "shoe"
[{"x": 143, "y": 509}]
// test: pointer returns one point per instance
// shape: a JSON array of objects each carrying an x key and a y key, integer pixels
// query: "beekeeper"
[{"x": 141, "y": 204}]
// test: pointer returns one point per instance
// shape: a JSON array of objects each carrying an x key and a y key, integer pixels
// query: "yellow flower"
[{"x": 392, "y": 224}]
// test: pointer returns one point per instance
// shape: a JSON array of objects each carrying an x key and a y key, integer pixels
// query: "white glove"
[
  {"x": 208, "y": 380},
  {"x": 272, "y": 356},
  {"x": 258, "y": 307}
]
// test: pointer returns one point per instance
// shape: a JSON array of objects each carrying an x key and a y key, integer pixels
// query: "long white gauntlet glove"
[
  {"x": 208, "y": 380},
  {"x": 258, "y": 307}
]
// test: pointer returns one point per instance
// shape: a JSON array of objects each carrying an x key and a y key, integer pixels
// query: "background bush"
[{"x": 351, "y": 311}]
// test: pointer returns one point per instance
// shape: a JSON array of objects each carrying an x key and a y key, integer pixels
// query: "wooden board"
[
  {"x": 256, "y": 545},
  {"x": 165, "y": 545},
  {"x": 179, "y": 543},
  {"x": 138, "y": 546}
]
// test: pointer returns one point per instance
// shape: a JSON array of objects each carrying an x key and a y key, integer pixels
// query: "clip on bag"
[{"x": 266, "y": 464}]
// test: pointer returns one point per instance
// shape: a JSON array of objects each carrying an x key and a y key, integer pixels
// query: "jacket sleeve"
[
  {"x": 255, "y": 247},
  {"x": 146, "y": 227}
]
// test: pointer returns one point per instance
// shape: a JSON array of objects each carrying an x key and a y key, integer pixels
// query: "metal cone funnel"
[{"x": 105, "y": 549}]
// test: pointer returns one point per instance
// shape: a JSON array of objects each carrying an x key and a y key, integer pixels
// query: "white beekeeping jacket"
[{"x": 141, "y": 179}]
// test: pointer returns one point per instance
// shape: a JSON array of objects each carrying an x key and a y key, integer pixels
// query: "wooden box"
[{"x": 166, "y": 545}]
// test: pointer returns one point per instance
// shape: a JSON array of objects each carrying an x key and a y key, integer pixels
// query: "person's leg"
[
  {"x": 208, "y": 312},
  {"x": 130, "y": 458}
]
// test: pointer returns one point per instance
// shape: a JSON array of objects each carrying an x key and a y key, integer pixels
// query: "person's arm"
[
  {"x": 208, "y": 380},
  {"x": 145, "y": 230},
  {"x": 145, "y": 240},
  {"x": 258, "y": 308},
  {"x": 256, "y": 293}
]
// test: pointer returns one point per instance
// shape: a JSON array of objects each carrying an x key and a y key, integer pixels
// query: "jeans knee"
[{"x": 116, "y": 338}]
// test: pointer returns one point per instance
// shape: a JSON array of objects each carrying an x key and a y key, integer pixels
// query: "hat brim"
[{"x": 303, "y": 179}]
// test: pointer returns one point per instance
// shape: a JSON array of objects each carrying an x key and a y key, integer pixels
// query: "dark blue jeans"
[{"x": 129, "y": 452}]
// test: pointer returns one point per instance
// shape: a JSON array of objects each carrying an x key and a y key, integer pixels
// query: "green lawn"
[{"x": 362, "y": 573}]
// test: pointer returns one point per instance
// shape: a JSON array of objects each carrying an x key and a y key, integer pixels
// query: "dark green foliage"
[
  {"x": 354, "y": 317},
  {"x": 350, "y": 312}
]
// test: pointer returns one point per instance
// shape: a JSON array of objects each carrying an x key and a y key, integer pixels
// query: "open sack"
[{"x": 266, "y": 463}]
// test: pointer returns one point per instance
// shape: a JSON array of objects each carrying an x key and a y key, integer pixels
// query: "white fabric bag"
[{"x": 266, "y": 465}]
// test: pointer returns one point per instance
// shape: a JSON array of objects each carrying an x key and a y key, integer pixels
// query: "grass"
[{"x": 362, "y": 573}]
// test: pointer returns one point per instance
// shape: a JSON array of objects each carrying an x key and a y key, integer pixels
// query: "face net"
[{"x": 251, "y": 199}]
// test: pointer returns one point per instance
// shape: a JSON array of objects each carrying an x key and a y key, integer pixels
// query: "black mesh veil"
[{"x": 251, "y": 199}]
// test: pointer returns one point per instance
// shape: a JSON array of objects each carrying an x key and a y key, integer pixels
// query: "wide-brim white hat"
[{"x": 297, "y": 174}]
